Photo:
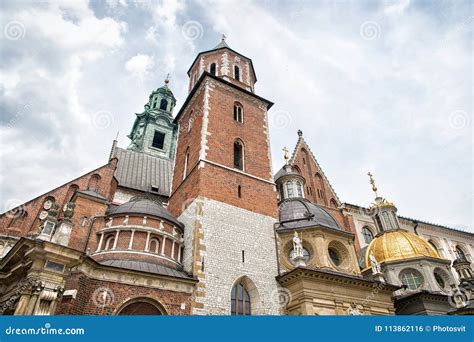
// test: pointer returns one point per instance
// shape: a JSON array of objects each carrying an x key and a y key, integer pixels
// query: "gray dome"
[
  {"x": 298, "y": 208},
  {"x": 143, "y": 207},
  {"x": 286, "y": 170}
]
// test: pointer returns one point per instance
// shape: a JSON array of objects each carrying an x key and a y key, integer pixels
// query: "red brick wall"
[
  {"x": 29, "y": 226},
  {"x": 216, "y": 182},
  {"x": 84, "y": 302},
  {"x": 310, "y": 171}
]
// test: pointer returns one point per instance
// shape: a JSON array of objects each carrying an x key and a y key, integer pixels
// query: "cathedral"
[{"x": 190, "y": 219}]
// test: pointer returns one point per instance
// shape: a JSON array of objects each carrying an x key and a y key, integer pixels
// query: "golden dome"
[{"x": 399, "y": 245}]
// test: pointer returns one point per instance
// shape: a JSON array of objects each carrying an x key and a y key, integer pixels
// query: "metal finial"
[
  {"x": 167, "y": 79},
  {"x": 372, "y": 181},
  {"x": 223, "y": 37},
  {"x": 286, "y": 155},
  {"x": 300, "y": 133}
]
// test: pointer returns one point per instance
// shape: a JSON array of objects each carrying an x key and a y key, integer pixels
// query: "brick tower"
[{"x": 223, "y": 189}]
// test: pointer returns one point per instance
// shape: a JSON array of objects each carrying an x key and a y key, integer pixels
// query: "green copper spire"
[{"x": 153, "y": 131}]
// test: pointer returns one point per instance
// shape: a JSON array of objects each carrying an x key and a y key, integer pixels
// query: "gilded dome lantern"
[{"x": 383, "y": 212}]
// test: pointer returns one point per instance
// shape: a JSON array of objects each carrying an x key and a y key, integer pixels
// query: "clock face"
[
  {"x": 48, "y": 204},
  {"x": 43, "y": 215}
]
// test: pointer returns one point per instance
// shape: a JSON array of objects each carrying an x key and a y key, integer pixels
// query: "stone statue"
[
  {"x": 69, "y": 210},
  {"x": 375, "y": 264},
  {"x": 297, "y": 246}
]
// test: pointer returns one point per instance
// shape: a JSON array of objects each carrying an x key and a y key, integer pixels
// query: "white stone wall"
[{"x": 227, "y": 231}]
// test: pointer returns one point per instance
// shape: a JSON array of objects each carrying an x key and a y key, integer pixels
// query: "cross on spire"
[
  {"x": 286, "y": 156},
  {"x": 372, "y": 181}
]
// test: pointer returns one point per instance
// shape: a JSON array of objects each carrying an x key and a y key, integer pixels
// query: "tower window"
[
  {"x": 367, "y": 233},
  {"x": 158, "y": 140},
  {"x": 186, "y": 162},
  {"x": 155, "y": 102},
  {"x": 212, "y": 69},
  {"x": 238, "y": 112},
  {"x": 163, "y": 104},
  {"x": 299, "y": 189},
  {"x": 239, "y": 191},
  {"x": 238, "y": 155},
  {"x": 289, "y": 189},
  {"x": 236, "y": 72}
]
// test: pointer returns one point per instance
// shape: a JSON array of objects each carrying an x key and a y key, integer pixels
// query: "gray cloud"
[{"x": 379, "y": 99}]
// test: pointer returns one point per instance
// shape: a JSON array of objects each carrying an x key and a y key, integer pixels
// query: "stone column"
[
  {"x": 130, "y": 244},
  {"x": 163, "y": 245},
  {"x": 99, "y": 247},
  {"x": 147, "y": 243},
  {"x": 117, "y": 232},
  {"x": 22, "y": 306},
  {"x": 172, "y": 249}
]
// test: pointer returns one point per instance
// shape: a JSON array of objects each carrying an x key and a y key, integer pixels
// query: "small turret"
[{"x": 153, "y": 131}]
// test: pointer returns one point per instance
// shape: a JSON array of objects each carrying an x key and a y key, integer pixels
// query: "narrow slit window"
[{"x": 236, "y": 72}]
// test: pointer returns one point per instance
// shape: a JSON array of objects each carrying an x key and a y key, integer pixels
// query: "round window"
[
  {"x": 412, "y": 279},
  {"x": 291, "y": 255},
  {"x": 334, "y": 255},
  {"x": 439, "y": 280}
]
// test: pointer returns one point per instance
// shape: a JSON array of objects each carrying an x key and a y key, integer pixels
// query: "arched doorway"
[{"x": 140, "y": 306}]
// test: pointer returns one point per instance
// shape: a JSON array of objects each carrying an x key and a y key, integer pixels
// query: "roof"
[
  {"x": 139, "y": 171},
  {"x": 302, "y": 143},
  {"x": 397, "y": 245},
  {"x": 286, "y": 170},
  {"x": 298, "y": 209},
  {"x": 223, "y": 45},
  {"x": 92, "y": 193},
  {"x": 144, "y": 206},
  {"x": 148, "y": 267}
]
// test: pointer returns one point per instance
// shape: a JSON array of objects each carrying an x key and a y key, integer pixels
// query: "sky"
[{"x": 380, "y": 86}]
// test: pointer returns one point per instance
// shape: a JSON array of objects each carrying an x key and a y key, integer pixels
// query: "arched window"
[
  {"x": 299, "y": 189},
  {"x": 240, "y": 300},
  {"x": 282, "y": 193},
  {"x": 109, "y": 243},
  {"x": 238, "y": 112},
  {"x": 163, "y": 104},
  {"x": 155, "y": 102},
  {"x": 154, "y": 246},
  {"x": 333, "y": 203},
  {"x": 289, "y": 189},
  {"x": 238, "y": 155},
  {"x": 212, "y": 68},
  {"x": 379, "y": 222},
  {"x": 186, "y": 162},
  {"x": 239, "y": 191},
  {"x": 460, "y": 254},
  {"x": 368, "y": 235},
  {"x": 236, "y": 73},
  {"x": 94, "y": 182}
]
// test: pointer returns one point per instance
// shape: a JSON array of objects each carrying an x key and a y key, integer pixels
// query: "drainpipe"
[{"x": 276, "y": 247}]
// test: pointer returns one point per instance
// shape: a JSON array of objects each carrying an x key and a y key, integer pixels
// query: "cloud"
[
  {"x": 398, "y": 104},
  {"x": 140, "y": 65}
]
